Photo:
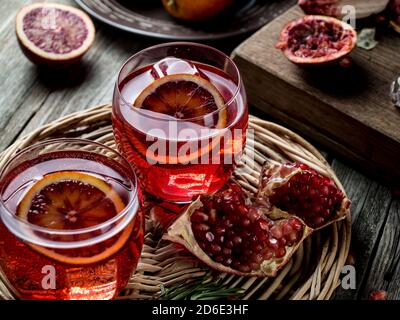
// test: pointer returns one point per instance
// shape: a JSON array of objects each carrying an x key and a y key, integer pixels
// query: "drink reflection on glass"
[
  {"x": 71, "y": 225},
  {"x": 180, "y": 117}
]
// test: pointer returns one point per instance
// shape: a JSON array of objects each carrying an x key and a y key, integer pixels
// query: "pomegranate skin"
[
  {"x": 230, "y": 235},
  {"x": 302, "y": 191},
  {"x": 315, "y": 40}
]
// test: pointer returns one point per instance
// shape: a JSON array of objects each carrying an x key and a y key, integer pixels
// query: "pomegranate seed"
[
  {"x": 296, "y": 225},
  {"x": 254, "y": 266},
  {"x": 199, "y": 217},
  {"x": 213, "y": 215},
  {"x": 200, "y": 227},
  {"x": 228, "y": 261},
  {"x": 210, "y": 236},
  {"x": 243, "y": 210},
  {"x": 258, "y": 258},
  {"x": 253, "y": 239},
  {"x": 244, "y": 268},
  {"x": 268, "y": 254},
  {"x": 317, "y": 221},
  {"x": 237, "y": 240},
  {"x": 219, "y": 230},
  {"x": 377, "y": 295},
  {"x": 276, "y": 231},
  {"x": 282, "y": 242},
  {"x": 245, "y": 234},
  {"x": 280, "y": 253},
  {"x": 219, "y": 259},
  {"x": 286, "y": 229},
  {"x": 227, "y": 251},
  {"x": 263, "y": 224},
  {"x": 231, "y": 233},
  {"x": 229, "y": 244},
  {"x": 228, "y": 223},
  {"x": 273, "y": 244},
  {"x": 215, "y": 248},
  {"x": 293, "y": 237},
  {"x": 219, "y": 239},
  {"x": 246, "y": 222}
]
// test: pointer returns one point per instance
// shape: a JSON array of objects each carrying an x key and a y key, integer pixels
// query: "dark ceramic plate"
[{"x": 148, "y": 17}]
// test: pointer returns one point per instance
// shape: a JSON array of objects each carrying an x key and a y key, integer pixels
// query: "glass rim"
[
  {"x": 180, "y": 43},
  {"x": 49, "y": 231}
]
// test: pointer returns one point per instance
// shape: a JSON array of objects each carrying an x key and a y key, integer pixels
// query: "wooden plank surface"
[
  {"x": 348, "y": 110},
  {"x": 30, "y": 98}
]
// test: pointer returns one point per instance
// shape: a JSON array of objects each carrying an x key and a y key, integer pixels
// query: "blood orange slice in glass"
[
  {"x": 185, "y": 97},
  {"x": 70, "y": 200}
]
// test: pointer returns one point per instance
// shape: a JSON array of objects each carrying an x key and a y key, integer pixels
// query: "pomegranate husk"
[
  {"x": 274, "y": 176},
  {"x": 180, "y": 232},
  {"x": 328, "y": 59}
]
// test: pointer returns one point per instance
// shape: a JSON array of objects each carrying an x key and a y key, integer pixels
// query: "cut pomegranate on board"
[{"x": 316, "y": 40}]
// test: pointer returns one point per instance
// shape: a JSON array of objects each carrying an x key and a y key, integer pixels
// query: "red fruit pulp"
[
  {"x": 241, "y": 236},
  {"x": 307, "y": 194}
]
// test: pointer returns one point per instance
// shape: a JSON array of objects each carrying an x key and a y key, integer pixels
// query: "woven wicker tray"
[{"x": 313, "y": 272}]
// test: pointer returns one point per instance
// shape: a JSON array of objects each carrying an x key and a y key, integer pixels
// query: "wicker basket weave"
[{"x": 313, "y": 272}]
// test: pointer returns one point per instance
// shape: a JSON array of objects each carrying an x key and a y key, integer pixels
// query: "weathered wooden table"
[{"x": 30, "y": 98}]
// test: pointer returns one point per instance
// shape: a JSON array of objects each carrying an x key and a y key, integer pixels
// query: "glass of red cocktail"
[
  {"x": 71, "y": 225},
  {"x": 180, "y": 117}
]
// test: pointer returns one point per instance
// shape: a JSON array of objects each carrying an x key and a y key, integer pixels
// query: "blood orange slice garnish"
[
  {"x": 73, "y": 200},
  {"x": 184, "y": 96}
]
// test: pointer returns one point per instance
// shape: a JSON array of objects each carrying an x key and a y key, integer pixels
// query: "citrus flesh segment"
[{"x": 73, "y": 200}]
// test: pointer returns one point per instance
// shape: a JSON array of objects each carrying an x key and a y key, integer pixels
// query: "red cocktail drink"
[
  {"x": 180, "y": 117},
  {"x": 71, "y": 225}
]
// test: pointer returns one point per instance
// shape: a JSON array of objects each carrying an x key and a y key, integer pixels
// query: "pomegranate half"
[
  {"x": 231, "y": 235},
  {"x": 302, "y": 191},
  {"x": 316, "y": 40},
  {"x": 54, "y": 35}
]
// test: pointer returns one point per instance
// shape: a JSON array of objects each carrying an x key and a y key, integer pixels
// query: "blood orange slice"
[
  {"x": 73, "y": 200},
  {"x": 184, "y": 96}
]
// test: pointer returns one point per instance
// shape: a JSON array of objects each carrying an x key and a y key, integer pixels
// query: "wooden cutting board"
[{"x": 348, "y": 111}]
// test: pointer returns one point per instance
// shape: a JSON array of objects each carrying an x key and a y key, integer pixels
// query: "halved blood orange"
[
  {"x": 184, "y": 97},
  {"x": 68, "y": 200}
]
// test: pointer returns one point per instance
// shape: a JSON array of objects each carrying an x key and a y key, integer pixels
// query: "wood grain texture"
[
  {"x": 30, "y": 97},
  {"x": 348, "y": 110}
]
